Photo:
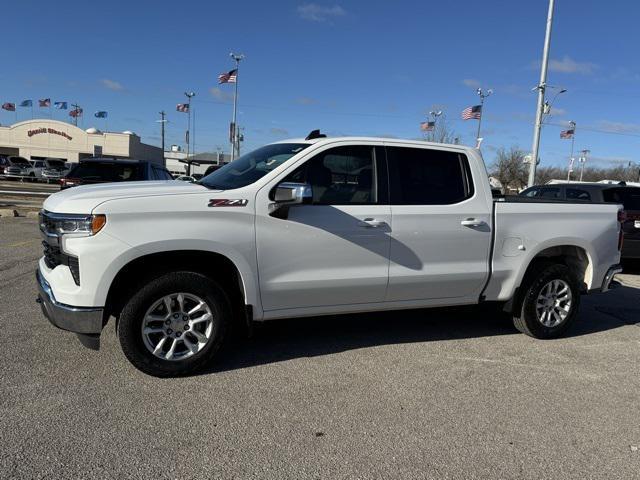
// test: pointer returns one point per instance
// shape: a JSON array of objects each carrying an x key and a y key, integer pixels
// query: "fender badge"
[{"x": 228, "y": 202}]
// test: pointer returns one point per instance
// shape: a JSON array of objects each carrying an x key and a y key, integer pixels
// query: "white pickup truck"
[{"x": 311, "y": 227}]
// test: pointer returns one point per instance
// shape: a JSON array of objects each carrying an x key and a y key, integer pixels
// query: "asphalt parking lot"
[{"x": 421, "y": 394}]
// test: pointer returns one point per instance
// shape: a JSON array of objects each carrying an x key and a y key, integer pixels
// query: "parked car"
[
  {"x": 54, "y": 170},
  {"x": 105, "y": 170},
  {"x": 186, "y": 178},
  {"x": 307, "y": 227},
  {"x": 197, "y": 176},
  {"x": 19, "y": 168},
  {"x": 4, "y": 163},
  {"x": 620, "y": 193}
]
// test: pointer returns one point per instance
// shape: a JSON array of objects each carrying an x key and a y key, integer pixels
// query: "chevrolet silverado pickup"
[{"x": 311, "y": 227}]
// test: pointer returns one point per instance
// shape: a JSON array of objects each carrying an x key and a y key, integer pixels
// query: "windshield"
[{"x": 252, "y": 166}]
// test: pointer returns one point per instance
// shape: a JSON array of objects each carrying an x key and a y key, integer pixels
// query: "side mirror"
[{"x": 288, "y": 194}]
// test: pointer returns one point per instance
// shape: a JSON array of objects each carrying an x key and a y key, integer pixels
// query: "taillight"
[{"x": 622, "y": 216}]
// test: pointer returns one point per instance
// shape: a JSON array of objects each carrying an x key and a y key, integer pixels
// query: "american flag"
[
  {"x": 229, "y": 77},
  {"x": 44, "y": 102},
  {"x": 76, "y": 112},
  {"x": 474, "y": 112},
  {"x": 11, "y": 107},
  {"x": 427, "y": 126},
  {"x": 183, "y": 107},
  {"x": 567, "y": 133}
]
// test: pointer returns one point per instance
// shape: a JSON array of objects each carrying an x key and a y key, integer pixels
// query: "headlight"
[{"x": 70, "y": 224}]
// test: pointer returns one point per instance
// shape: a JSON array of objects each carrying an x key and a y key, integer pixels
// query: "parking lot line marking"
[{"x": 19, "y": 244}]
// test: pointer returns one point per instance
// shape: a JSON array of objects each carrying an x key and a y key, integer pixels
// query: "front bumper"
[
  {"x": 606, "y": 282},
  {"x": 81, "y": 320}
]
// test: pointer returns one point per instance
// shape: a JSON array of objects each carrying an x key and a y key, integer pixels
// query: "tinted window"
[
  {"x": 340, "y": 176},
  {"x": 106, "y": 172},
  {"x": 629, "y": 197},
  {"x": 421, "y": 176},
  {"x": 162, "y": 174},
  {"x": 252, "y": 166},
  {"x": 578, "y": 194},
  {"x": 531, "y": 192},
  {"x": 549, "y": 192}
]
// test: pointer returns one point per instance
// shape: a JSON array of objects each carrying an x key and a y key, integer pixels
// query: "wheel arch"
[{"x": 212, "y": 264}]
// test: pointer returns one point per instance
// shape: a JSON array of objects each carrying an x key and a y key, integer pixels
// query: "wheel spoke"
[
  {"x": 190, "y": 345},
  {"x": 195, "y": 309},
  {"x": 158, "y": 349},
  {"x": 201, "y": 338},
  {"x": 203, "y": 318},
  {"x": 180, "y": 300},
  {"x": 172, "y": 349},
  {"x": 149, "y": 330},
  {"x": 167, "y": 304},
  {"x": 156, "y": 318}
]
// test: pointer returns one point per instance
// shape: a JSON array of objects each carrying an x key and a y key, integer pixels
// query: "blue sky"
[{"x": 347, "y": 67}]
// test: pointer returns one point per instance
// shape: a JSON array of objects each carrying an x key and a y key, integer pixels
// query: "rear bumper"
[
  {"x": 606, "y": 282},
  {"x": 82, "y": 320}
]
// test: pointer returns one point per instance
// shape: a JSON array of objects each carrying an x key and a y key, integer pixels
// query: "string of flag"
[{"x": 46, "y": 103}]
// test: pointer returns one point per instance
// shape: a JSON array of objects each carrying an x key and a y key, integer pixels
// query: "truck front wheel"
[
  {"x": 175, "y": 324},
  {"x": 550, "y": 301}
]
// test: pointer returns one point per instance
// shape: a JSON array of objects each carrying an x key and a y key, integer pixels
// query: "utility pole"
[
  {"x": 162, "y": 121},
  {"x": 541, "y": 90},
  {"x": 583, "y": 160},
  {"x": 235, "y": 143},
  {"x": 76, "y": 108},
  {"x": 189, "y": 95}
]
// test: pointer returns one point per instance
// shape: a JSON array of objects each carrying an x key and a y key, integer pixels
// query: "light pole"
[
  {"x": 482, "y": 94},
  {"x": 583, "y": 160},
  {"x": 572, "y": 128},
  {"x": 162, "y": 121},
  {"x": 189, "y": 96},
  {"x": 435, "y": 114},
  {"x": 234, "y": 128},
  {"x": 541, "y": 90}
]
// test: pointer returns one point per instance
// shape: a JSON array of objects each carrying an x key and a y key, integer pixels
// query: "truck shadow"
[{"x": 281, "y": 340}]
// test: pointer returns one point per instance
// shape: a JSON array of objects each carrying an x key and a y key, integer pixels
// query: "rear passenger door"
[{"x": 440, "y": 236}]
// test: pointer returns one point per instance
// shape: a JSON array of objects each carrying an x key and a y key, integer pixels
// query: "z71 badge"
[{"x": 228, "y": 202}]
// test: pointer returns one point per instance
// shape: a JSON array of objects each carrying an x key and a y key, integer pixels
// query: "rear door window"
[
  {"x": 422, "y": 176},
  {"x": 578, "y": 194}
]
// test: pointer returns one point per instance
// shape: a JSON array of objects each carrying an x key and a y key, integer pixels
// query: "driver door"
[{"x": 335, "y": 249}]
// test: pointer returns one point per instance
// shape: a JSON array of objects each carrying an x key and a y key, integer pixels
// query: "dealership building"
[{"x": 46, "y": 138}]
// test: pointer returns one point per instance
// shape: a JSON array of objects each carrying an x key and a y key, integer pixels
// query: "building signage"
[{"x": 53, "y": 131}]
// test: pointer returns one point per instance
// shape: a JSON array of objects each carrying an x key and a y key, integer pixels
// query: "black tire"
[
  {"x": 132, "y": 315},
  {"x": 525, "y": 316}
]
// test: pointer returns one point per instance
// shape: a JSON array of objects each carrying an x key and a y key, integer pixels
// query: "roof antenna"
[{"x": 315, "y": 134}]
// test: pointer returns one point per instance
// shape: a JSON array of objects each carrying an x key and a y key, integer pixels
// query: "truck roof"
[{"x": 377, "y": 139}]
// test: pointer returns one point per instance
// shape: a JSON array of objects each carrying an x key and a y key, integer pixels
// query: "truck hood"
[{"x": 85, "y": 198}]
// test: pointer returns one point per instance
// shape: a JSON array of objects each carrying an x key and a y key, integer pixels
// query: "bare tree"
[
  {"x": 509, "y": 168},
  {"x": 443, "y": 133}
]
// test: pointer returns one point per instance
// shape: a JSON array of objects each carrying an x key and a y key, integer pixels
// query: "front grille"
[{"x": 53, "y": 255}]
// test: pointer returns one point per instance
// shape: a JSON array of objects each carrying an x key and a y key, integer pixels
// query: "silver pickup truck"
[{"x": 307, "y": 227}]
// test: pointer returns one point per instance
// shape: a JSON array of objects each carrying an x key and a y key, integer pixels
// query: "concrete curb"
[{"x": 8, "y": 212}]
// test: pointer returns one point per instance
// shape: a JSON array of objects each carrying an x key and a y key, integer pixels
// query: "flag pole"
[
  {"x": 481, "y": 113},
  {"x": 572, "y": 125},
  {"x": 234, "y": 137}
]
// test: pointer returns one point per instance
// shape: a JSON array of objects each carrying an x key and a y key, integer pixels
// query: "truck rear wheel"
[
  {"x": 175, "y": 324},
  {"x": 550, "y": 301}
]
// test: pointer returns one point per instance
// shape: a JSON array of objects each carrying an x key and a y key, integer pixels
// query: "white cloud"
[
  {"x": 568, "y": 65},
  {"x": 619, "y": 127},
  {"x": 319, "y": 13},
  {"x": 278, "y": 131},
  {"x": 471, "y": 82},
  {"x": 220, "y": 94},
  {"x": 112, "y": 85},
  {"x": 306, "y": 101}
]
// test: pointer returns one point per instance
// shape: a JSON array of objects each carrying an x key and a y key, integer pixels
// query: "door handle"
[
  {"x": 471, "y": 222},
  {"x": 372, "y": 223}
]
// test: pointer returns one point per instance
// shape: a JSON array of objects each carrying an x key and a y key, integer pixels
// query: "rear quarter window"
[{"x": 629, "y": 197}]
